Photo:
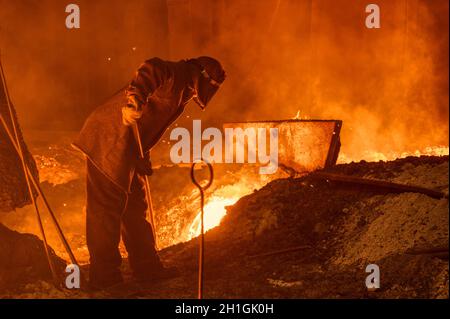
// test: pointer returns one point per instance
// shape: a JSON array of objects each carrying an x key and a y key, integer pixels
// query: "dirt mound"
[
  {"x": 336, "y": 231},
  {"x": 23, "y": 259},
  {"x": 385, "y": 225},
  {"x": 313, "y": 238}
]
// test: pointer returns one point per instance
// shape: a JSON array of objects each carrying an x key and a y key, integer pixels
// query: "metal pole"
[
  {"x": 202, "y": 190},
  {"x": 38, "y": 215},
  {"x": 25, "y": 172},
  {"x": 39, "y": 190},
  {"x": 148, "y": 194},
  {"x": 29, "y": 174}
]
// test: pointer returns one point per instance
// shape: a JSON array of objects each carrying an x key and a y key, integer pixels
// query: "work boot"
[
  {"x": 101, "y": 282},
  {"x": 157, "y": 276},
  {"x": 122, "y": 290}
]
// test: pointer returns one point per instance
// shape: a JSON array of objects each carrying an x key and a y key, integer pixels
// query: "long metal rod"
[
  {"x": 25, "y": 172},
  {"x": 201, "y": 260},
  {"x": 148, "y": 194},
  {"x": 55, "y": 222},
  {"x": 44, "y": 199},
  {"x": 31, "y": 177},
  {"x": 29, "y": 174},
  {"x": 281, "y": 251},
  {"x": 389, "y": 186},
  {"x": 202, "y": 190}
]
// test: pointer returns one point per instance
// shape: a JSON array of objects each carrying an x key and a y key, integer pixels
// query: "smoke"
[
  {"x": 57, "y": 75},
  {"x": 388, "y": 85}
]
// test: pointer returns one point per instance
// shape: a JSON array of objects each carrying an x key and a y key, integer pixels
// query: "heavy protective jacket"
[{"x": 163, "y": 89}]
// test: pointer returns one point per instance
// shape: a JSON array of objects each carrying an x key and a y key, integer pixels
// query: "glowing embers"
[
  {"x": 214, "y": 212},
  {"x": 375, "y": 156}
]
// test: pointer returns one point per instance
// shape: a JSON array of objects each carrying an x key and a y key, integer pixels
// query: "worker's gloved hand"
[
  {"x": 130, "y": 115},
  {"x": 144, "y": 166}
]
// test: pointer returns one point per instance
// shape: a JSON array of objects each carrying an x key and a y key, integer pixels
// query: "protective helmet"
[{"x": 212, "y": 76}]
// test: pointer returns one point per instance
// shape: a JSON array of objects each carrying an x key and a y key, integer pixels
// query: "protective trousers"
[{"x": 110, "y": 213}]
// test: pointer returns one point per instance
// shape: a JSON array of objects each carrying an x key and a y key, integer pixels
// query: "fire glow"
[
  {"x": 375, "y": 156},
  {"x": 225, "y": 195},
  {"x": 214, "y": 211}
]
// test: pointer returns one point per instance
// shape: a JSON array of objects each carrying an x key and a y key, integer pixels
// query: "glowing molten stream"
[
  {"x": 374, "y": 156},
  {"x": 214, "y": 212}
]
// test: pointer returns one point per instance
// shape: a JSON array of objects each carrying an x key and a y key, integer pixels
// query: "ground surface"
[{"x": 337, "y": 230}]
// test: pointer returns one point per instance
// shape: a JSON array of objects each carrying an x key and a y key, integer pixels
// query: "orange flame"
[{"x": 214, "y": 212}]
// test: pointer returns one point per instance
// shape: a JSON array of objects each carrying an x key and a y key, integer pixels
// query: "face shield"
[
  {"x": 206, "y": 89},
  {"x": 206, "y": 85}
]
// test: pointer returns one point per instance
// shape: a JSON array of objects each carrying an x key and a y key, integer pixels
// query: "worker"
[{"x": 116, "y": 200}]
